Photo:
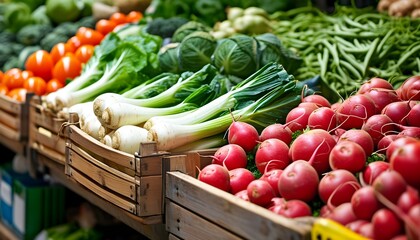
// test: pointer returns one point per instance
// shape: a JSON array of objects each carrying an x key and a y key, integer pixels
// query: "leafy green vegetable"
[
  {"x": 63, "y": 10},
  {"x": 17, "y": 15},
  {"x": 165, "y": 28},
  {"x": 25, "y": 53},
  {"x": 50, "y": 40},
  {"x": 196, "y": 50},
  {"x": 32, "y": 34},
  {"x": 12, "y": 62},
  {"x": 7, "y": 37},
  {"x": 188, "y": 28},
  {"x": 237, "y": 56},
  {"x": 68, "y": 29},
  {"x": 168, "y": 58},
  {"x": 39, "y": 16}
]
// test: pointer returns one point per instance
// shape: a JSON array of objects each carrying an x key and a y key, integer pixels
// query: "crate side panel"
[
  {"x": 224, "y": 209},
  {"x": 188, "y": 225},
  {"x": 150, "y": 196}
]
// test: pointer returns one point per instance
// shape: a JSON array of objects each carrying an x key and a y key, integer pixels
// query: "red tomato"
[
  {"x": 83, "y": 53},
  {"x": 118, "y": 18},
  {"x": 40, "y": 64},
  {"x": 68, "y": 67},
  {"x": 74, "y": 42},
  {"x": 13, "y": 78},
  {"x": 134, "y": 16},
  {"x": 89, "y": 36},
  {"x": 36, "y": 85},
  {"x": 3, "y": 89},
  {"x": 1, "y": 76},
  {"x": 18, "y": 94},
  {"x": 26, "y": 74},
  {"x": 59, "y": 50},
  {"x": 53, "y": 85},
  {"x": 105, "y": 26}
]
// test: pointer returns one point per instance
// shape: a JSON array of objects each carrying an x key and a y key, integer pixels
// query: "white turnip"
[
  {"x": 243, "y": 134},
  {"x": 231, "y": 156}
]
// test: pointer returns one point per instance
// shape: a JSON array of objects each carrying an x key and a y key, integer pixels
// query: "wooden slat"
[
  {"x": 9, "y": 133},
  {"x": 10, "y": 105},
  {"x": 224, "y": 209},
  {"x": 83, "y": 139},
  {"x": 150, "y": 196},
  {"x": 173, "y": 237},
  {"x": 49, "y": 153},
  {"x": 118, "y": 201},
  {"x": 10, "y": 120},
  {"x": 52, "y": 140},
  {"x": 43, "y": 118},
  {"x": 149, "y": 165},
  {"x": 103, "y": 177},
  {"x": 187, "y": 225}
]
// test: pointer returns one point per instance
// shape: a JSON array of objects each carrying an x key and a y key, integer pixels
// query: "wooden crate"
[
  {"x": 14, "y": 122},
  {"x": 196, "y": 210},
  {"x": 132, "y": 182},
  {"x": 46, "y": 135}
]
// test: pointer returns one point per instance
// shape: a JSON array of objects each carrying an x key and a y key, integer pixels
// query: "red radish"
[
  {"x": 215, "y": 175},
  {"x": 297, "y": 118},
  {"x": 335, "y": 106},
  {"x": 272, "y": 177},
  {"x": 243, "y": 195},
  {"x": 260, "y": 192},
  {"x": 272, "y": 149},
  {"x": 243, "y": 134},
  {"x": 400, "y": 237},
  {"x": 413, "y": 117},
  {"x": 299, "y": 180},
  {"x": 360, "y": 137},
  {"x": 410, "y": 89},
  {"x": 366, "y": 231},
  {"x": 292, "y": 209},
  {"x": 383, "y": 144},
  {"x": 276, "y": 201},
  {"x": 343, "y": 214},
  {"x": 365, "y": 203},
  {"x": 347, "y": 155},
  {"x": 318, "y": 100},
  {"x": 374, "y": 83},
  {"x": 379, "y": 125},
  {"x": 397, "y": 111},
  {"x": 279, "y": 131},
  {"x": 335, "y": 186},
  {"x": 414, "y": 215},
  {"x": 382, "y": 97},
  {"x": 390, "y": 184},
  {"x": 324, "y": 211},
  {"x": 239, "y": 179},
  {"x": 231, "y": 155},
  {"x": 406, "y": 161},
  {"x": 354, "y": 111},
  {"x": 314, "y": 146},
  {"x": 408, "y": 199},
  {"x": 355, "y": 225},
  {"x": 397, "y": 143},
  {"x": 373, "y": 170},
  {"x": 386, "y": 224},
  {"x": 410, "y": 132},
  {"x": 322, "y": 118}
]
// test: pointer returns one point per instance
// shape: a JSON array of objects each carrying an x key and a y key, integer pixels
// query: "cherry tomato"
[
  {"x": 36, "y": 85},
  {"x": 118, "y": 18},
  {"x": 59, "y": 50},
  {"x": 27, "y": 74},
  {"x": 13, "y": 78},
  {"x": 3, "y": 89},
  {"x": 1, "y": 76},
  {"x": 18, "y": 94},
  {"x": 53, "y": 85},
  {"x": 105, "y": 26},
  {"x": 89, "y": 36},
  {"x": 68, "y": 67},
  {"x": 40, "y": 64},
  {"x": 134, "y": 16},
  {"x": 84, "y": 53},
  {"x": 74, "y": 42}
]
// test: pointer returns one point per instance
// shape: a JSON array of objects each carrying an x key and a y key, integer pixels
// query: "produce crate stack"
[
  {"x": 197, "y": 210},
  {"x": 46, "y": 139},
  {"x": 132, "y": 182},
  {"x": 14, "y": 123}
]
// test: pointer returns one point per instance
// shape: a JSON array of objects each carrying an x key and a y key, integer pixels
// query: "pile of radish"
[{"x": 358, "y": 159}]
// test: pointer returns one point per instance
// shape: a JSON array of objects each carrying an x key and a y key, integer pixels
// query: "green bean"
[
  {"x": 333, "y": 50},
  {"x": 352, "y": 60},
  {"x": 354, "y": 23},
  {"x": 343, "y": 42},
  {"x": 369, "y": 55},
  {"x": 351, "y": 69},
  {"x": 414, "y": 48}
]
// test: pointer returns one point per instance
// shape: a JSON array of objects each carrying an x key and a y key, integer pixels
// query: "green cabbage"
[{"x": 196, "y": 50}]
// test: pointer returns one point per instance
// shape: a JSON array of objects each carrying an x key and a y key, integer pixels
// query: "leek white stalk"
[
  {"x": 205, "y": 143},
  {"x": 104, "y": 131},
  {"x": 128, "y": 138},
  {"x": 107, "y": 140},
  {"x": 120, "y": 114}
]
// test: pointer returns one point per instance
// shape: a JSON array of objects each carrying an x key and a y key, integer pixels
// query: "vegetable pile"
[
  {"x": 400, "y": 8},
  {"x": 351, "y": 45},
  {"x": 353, "y": 161}
]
